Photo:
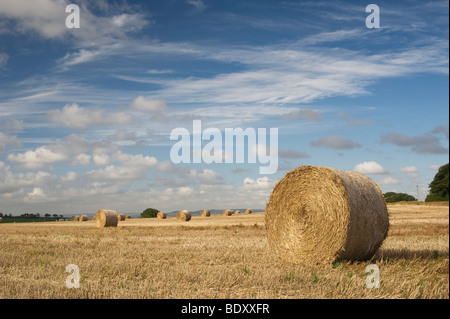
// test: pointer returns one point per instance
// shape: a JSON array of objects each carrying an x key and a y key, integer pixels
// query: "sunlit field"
[{"x": 215, "y": 257}]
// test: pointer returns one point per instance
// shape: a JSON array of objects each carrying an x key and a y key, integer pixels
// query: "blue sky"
[{"x": 86, "y": 114}]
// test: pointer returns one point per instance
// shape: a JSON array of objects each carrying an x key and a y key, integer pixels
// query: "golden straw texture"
[
  {"x": 320, "y": 215},
  {"x": 161, "y": 215},
  {"x": 184, "y": 215},
  {"x": 106, "y": 218},
  {"x": 205, "y": 213}
]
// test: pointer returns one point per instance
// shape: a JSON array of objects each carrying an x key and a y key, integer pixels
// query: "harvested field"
[{"x": 215, "y": 257}]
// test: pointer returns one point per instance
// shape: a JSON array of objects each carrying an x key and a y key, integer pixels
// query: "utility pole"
[{"x": 417, "y": 186}]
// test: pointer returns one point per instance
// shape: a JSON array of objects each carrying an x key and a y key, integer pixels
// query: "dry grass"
[{"x": 216, "y": 257}]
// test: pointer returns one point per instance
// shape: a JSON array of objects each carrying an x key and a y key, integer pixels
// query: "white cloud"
[
  {"x": 74, "y": 116},
  {"x": 146, "y": 105},
  {"x": 82, "y": 159},
  {"x": 3, "y": 59},
  {"x": 307, "y": 114},
  {"x": 260, "y": 183},
  {"x": 36, "y": 195},
  {"x": 11, "y": 183},
  {"x": 369, "y": 168},
  {"x": 134, "y": 160},
  {"x": 206, "y": 176},
  {"x": 388, "y": 180},
  {"x": 410, "y": 171},
  {"x": 335, "y": 142},
  {"x": 113, "y": 172},
  {"x": 6, "y": 139},
  {"x": 101, "y": 159},
  {"x": 69, "y": 177},
  {"x": 434, "y": 167},
  {"x": 46, "y": 17},
  {"x": 33, "y": 159}
]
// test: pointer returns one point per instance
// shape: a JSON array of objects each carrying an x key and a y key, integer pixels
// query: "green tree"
[
  {"x": 149, "y": 213},
  {"x": 439, "y": 185},
  {"x": 392, "y": 197}
]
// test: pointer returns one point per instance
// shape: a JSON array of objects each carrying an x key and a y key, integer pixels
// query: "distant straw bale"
[
  {"x": 321, "y": 215},
  {"x": 205, "y": 213},
  {"x": 228, "y": 212},
  {"x": 161, "y": 215},
  {"x": 75, "y": 218},
  {"x": 184, "y": 215},
  {"x": 106, "y": 218},
  {"x": 248, "y": 211},
  {"x": 83, "y": 218}
]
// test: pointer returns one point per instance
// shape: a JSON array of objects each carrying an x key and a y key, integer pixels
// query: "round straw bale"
[
  {"x": 93, "y": 217},
  {"x": 184, "y": 215},
  {"x": 248, "y": 211},
  {"x": 1, "y": 219},
  {"x": 320, "y": 215},
  {"x": 205, "y": 213},
  {"x": 83, "y": 218},
  {"x": 121, "y": 216},
  {"x": 237, "y": 212},
  {"x": 127, "y": 216},
  {"x": 75, "y": 218},
  {"x": 161, "y": 215},
  {"x": 106, "y": 218},
  {"x": 228, "y": 212}
]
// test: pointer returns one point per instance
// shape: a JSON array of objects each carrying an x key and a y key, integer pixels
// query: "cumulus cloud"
[
  {"x": 113, "y": 172},
  {"x": 7, "y": 139},
  {"x": 354, "y": 121},
  {"x": 47, "y": 19},
  {"x": 134, "y": 160},
  {"x": 292, "y": 154},
  {"x": 335, "y": 142},
  {"x": 74, "y": 116},
  {"x": 424, "y": 144},
  {"x": 388, "y": 180},
  {"x": 147, "y": 105},
  {"x": 434, "y": 167},
  {"x": 3, "y": 59},
  {"x": 34, "y": 159},
  {"x": 369, "y": 168},
  {"x": 259, "y": 183},
  {"x": 410, "y": 171},
  {"x": 441, "y": 129},
  {"x": 11, "y": 183},
  {"x": 307, "y": 114}
]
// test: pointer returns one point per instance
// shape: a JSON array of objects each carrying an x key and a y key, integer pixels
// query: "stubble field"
[{"x": 215, "y": 257}]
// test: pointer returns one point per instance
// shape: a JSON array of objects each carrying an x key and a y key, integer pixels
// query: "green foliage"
[
  {"x": 149, "y": 213},
  {"x": 439, "y": 185},
  {"x": 392, "y": 197}
]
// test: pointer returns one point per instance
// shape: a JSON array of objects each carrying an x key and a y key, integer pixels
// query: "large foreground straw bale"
[
  {"x": 205, "y": 213},
  {"x": 161, "y": 215},
  {"x": 106, "y": 218},
  {"x": 184, "y": 215},
  {"x": 321, "y": 215}
]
